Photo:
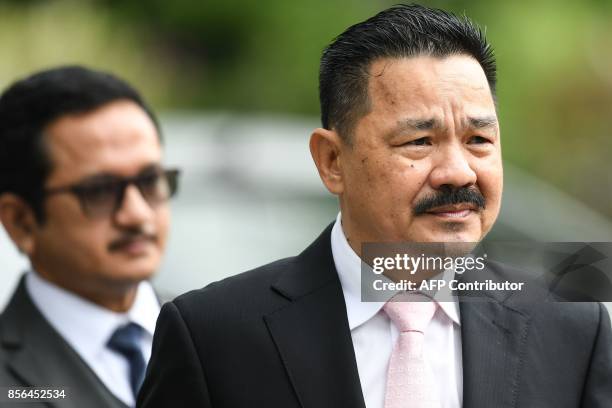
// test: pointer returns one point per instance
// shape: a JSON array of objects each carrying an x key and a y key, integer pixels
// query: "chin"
[
  {"x": 462, "y": 238},
  {"x": 451, "y": 236},
  {"x": 136, "y": 271}
]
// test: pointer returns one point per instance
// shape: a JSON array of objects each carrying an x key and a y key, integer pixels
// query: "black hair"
[
  {"x": 29, "y": 105},
  {"x": 400, "y": 31}
]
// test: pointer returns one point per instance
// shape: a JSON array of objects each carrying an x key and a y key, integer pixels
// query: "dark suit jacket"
[
  {"x": 32, "y": 353},
  {"x": 278, "y": 336}
]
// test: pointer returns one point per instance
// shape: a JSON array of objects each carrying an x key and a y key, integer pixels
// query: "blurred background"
[{"x": 235, "y": 84}]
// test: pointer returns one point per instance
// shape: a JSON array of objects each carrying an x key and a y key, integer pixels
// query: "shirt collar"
[
  {"x": 86, "y": 326},
  {"x": 348, "y": 266}
]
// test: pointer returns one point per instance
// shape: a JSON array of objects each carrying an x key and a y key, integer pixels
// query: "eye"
[
  {"x": 153, "y": 186},
  {"x": 422, "y": 141},
  {"x": 148, "y": 181},
  {"x": 478, "y": 140},
  {"x": 98, "y": 192}
]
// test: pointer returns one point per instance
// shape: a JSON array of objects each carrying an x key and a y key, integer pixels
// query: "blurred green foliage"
[
  {"x": 246, "y": 55},
  {"x": 554, "y": 58}
]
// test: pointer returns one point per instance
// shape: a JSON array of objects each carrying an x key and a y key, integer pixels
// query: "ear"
[
  {"x": 19, "y": 222},
  {"x": 325, "y": 148}
]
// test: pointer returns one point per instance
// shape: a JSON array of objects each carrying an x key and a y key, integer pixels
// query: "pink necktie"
[{"x": 409, "y": 384}]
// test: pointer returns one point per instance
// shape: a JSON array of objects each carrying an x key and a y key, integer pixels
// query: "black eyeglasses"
[{"x": 103, "y": 196}]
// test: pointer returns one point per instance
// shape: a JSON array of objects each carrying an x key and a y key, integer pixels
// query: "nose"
[
  {"x": 452, "y": 168},
  {"x": 133, "y": 210}
]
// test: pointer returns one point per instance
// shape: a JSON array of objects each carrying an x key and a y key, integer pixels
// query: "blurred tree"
[
  {"x": 38, "y": 34},
  {"x": 554, "y": 58},
  {"x": 245, "y": 55}
]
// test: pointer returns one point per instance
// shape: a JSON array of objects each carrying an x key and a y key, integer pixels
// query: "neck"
[
  {"x": 417, "y": 276},
  {"x": 118, "y": 298},
  {"x": 350, "y": 237},
  {"x": 118, "y": 303}
]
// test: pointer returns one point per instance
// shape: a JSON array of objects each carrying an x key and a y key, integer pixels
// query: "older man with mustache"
[{"x": 411, "y": 146}]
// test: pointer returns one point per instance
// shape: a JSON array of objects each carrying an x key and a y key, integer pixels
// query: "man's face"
[
  {"x": 432, "y": 130},
  {"x": 89, "y": 255}
]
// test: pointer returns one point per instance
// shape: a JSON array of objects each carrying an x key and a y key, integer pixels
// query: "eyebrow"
[
  {"x": 419, "y": 124},
  {"x": 105, "y": 176},
  {"x": 481, "y": 122}
]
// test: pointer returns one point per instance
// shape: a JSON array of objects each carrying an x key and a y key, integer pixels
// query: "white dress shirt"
[
  {"x": 87, "y": 327},
  {"x": 374, "y": 335}
]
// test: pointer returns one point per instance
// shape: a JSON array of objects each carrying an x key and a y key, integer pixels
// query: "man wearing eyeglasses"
[{"x": 83, "y": 195}]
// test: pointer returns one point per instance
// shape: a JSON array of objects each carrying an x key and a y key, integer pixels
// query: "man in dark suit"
[
  {"x": 83, "y": 195},
  {"x": 410, "y": 144}
]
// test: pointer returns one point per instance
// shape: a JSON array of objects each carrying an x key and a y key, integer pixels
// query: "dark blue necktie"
[{"x": 126, "y": 341}]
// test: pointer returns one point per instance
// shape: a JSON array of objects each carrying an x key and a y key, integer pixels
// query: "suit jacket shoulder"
[
  {"x": 32, "y": 353},
  {"x": 243, "y": 291},
  {"x": 263, "y": 289},
  {"x": 276, "y": 336}
]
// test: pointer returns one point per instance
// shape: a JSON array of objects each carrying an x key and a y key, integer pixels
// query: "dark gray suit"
[
  {"x": 278, "y": 336},
  {"x": 32, "y": 353}
]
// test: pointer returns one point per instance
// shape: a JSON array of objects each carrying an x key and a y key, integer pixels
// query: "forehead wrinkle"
[{"x": 467, "y": 115}]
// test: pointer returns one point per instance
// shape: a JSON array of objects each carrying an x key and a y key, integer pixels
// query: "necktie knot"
[
  {"x": 410, "y": 311},
  {"x": 126, "y": 341}
]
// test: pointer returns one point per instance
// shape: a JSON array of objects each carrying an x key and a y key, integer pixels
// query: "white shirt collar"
[
  {"x": 87, "y": 327},
  {"x": 348, "y": 266}
]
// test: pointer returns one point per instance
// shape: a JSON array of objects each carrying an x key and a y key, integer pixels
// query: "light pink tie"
[{"x": 409, "y": 384}]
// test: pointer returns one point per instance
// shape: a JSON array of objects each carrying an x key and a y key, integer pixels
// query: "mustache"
[
  {"x": 132, "y": 235},
  {"x": 450, "y": 196}
]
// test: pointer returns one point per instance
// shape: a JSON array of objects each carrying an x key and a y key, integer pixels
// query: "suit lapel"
[
  {"x": 493, "y": 341},
  {"x": 39, "y": 356},
  {"x": 312, "y": 334},
  {"x": 314, "y": 341}
]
